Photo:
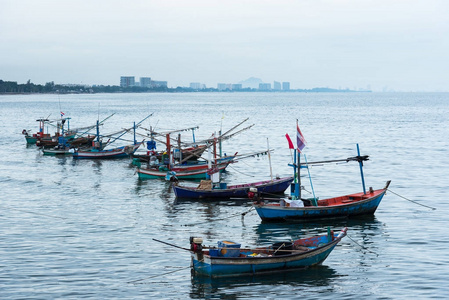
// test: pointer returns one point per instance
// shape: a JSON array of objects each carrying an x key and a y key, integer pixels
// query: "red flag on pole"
[
  {"x": 290, "y": 143},
  {"x": 300, "y": 140}
]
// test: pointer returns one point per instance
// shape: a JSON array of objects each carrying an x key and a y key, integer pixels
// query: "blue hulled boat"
[
  {"x": 228, "y": 259},
  {"x": 224, "y": 191},
  {"x": 299, "y": 209}
]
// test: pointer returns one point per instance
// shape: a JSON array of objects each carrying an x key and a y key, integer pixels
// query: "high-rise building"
[
  {"x": 286, "y": 86},
  {"x": 264, "y": 86},
  {"x": 195, "y": 85},
  {"x": 127, "y": 81},
  {"x": 221, "y": 86},
  {"x": 145, "y": 81},
  {"x": 276, "y": 86},
  {"x": 236, "y": 87},
  {"x": 158, "y": 83}
]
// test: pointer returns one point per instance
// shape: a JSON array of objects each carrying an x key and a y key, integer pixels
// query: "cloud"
[{"x": 310, "y": 43}]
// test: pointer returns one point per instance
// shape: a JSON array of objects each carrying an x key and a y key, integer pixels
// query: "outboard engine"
[
  {"x": 196, "y": 246},
  {"x": 253, "y": 194}
]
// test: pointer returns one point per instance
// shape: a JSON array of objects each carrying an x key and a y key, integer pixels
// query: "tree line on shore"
[{"x": 12, "y": 87}]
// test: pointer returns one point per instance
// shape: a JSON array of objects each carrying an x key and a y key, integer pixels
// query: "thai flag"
[
  {"x": 62, "y": 114},
  {"x": 300, "y": 140}
]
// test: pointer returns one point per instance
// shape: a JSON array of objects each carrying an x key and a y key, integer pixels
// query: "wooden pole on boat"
[
  {"x": 269, "y": 159},
  {"x": 299, "y": 176},
  {"x": 193, "y": 134},
  {"x": 215, "y": 150},
  {"x": 179, "y": 147},
  {"x": 134, "y": 127},
  {"x": 220, "y": 145},
  {"x": 361, "y": 170},
  {"x": 315, "y": 203},
  {"x": 98, "y": 132},
  {"x": 296, "y": 167},
  {"x": 173, "y": 245},
  {"x": 168, "y": 150},
  {"x": 209, "y": 160}
]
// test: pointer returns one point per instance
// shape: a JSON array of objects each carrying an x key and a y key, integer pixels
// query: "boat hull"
[
  {"x": 56, "y": 152},
  {"x": 120, "y": 152},
  {"x": 357, "y": 204},
  {"x": 233, "y": 191},
  {"x": 194, "y": 174},
  {"x": 213, "y": 266}
]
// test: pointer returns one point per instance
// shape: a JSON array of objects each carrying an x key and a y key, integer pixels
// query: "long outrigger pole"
[{"x": 297, "y": 167}]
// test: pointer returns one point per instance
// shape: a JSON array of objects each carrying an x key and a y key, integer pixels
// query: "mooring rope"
[
  {"x": 35, "y": 213},
  {"x": 229, "y": 166},
  {"x": 228, "y": 217},
  {"x": 154, "y": 276},
  {"x": 433, "y": 208},
  {"x": 364, "y": 248}
]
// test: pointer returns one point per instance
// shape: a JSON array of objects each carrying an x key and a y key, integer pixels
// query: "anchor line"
[
  {"x": 153, "y": 276},
  {"x": 433, "y": 208},
  {"x": 228, "y": 217},
  {"x": 364, "y": 248}
]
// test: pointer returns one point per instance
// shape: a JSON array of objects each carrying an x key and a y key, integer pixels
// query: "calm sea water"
[{"x": 85, "y": 229}]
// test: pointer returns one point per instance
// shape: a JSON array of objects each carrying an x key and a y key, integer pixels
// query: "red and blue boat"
[
  {"x": 331, "y": 208},
  {"x": 188, "y": 171},
  {"x": 228, "y": 259},
  {"x": 98, "y": 150},
  {"x": 298, "y": 209}
]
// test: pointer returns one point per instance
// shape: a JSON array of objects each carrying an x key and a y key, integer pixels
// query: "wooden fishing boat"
[
  {"x": 299, "y": 209},
  {"x": 58, "y": 151},
  {"x": 94, "y": 153},
  {"x": 337, "y": 207},
  {"x": 184, "y": 173},
  {"x": 190, "y": 154},
  {"x": 41, "y": 138},
  {"x": 228, "y": 259},
  {"x": 98, "y": 150},
  {"x": 206, "y": 190},
  {"x": 71, "y": 140}
]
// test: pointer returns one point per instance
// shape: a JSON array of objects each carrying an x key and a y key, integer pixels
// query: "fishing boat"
[
  {"x": 299, "y": 209},
  {"x": 207, "y": 190},
  {"x": 118, "y": 152},
  {"x": 215, "y": 189},
  {"x": 180, "y": 172},
  {"x": 63, "y": 145},
  {"x": 58, "y": 150},
  {"x": 72, "y": 140},
  {"x": 362, "y": 203},
  {"x": 98, "y": 150},
  {"x": 229, "y": 259},
  {"x": 41, "y": 137},
  {"x": 190, "y": 154}
]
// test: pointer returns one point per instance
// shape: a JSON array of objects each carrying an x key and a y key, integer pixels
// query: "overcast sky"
[{"x": 393, "y": 44}]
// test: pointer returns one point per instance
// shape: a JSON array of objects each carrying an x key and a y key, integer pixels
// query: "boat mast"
[
  {"x": 361, "y": 169},
  {"x": 98, "y": 134},
  {"x": 169, "y": 151},
  {"x": 134, "y": 127},
  {"x": 298, "y": 191}
]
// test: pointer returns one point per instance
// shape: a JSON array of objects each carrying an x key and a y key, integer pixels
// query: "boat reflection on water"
[
  {"x": 366, "y": 225},
  {"x": 206, "y": 287}
]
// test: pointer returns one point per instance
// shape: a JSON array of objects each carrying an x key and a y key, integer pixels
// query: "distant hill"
[{"x": 251, "y": 82}]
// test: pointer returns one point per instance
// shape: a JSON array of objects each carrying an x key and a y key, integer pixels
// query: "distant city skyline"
[{"x": 387, "y": 45}]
